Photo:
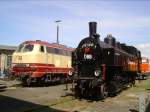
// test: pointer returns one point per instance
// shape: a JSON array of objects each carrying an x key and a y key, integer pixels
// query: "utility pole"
[{"x": 57, "y": 22}]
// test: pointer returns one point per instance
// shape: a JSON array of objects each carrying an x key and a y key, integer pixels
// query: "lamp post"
[{"x": 57, "y": 22}]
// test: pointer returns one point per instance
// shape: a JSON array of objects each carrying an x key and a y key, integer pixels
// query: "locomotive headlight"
[
  {"x": 97, "y": 73},
  {"x": 70, "y": 73},
  {"x": 27, "y": 65}
]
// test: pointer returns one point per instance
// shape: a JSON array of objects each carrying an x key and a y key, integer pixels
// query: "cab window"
[
  {"x": 19, "y": 49},
  {"x": 41, "y": 48},
  {"x": 28, "y": 48}
]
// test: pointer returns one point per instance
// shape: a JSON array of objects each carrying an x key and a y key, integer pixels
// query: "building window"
[{"x": 9, "y": 61}]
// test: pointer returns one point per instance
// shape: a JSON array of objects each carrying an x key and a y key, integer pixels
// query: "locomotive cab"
[{"x": 29, "y": 53}]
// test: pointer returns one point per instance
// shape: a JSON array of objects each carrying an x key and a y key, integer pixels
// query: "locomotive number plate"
[{"x": 88, "y": 56}]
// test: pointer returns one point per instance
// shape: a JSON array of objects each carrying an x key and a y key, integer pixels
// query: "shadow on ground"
[
  {"x": 133, "y": 110},
  {"x": 9, "y": 104},
  {"x": 148, "y": 108}
]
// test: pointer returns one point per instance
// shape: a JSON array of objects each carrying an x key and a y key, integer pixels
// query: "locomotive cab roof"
[{"x": 53, "y": 45}]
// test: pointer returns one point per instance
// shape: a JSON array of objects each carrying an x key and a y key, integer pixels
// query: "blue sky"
[{"x": 128, "y": 21}]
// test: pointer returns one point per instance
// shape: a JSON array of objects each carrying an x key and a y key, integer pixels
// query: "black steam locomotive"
[{"x": 103, "y": 68}]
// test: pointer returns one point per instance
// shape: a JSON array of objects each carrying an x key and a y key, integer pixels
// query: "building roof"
[{"x": 6, "y": 47}]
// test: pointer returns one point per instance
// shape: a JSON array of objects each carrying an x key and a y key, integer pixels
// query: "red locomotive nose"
[{"x": 87, "y": 50}]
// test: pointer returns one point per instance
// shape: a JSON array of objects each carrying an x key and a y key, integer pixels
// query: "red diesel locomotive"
[{"x": 39, "y": 61}]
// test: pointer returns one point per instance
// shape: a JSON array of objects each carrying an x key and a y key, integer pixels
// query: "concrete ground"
[{"x": 16, "y": 98}]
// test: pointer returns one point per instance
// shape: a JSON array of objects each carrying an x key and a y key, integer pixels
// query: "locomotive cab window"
[
  {"x": 19, "y": 49},
  {"x": 28, "y": 48},
  {"x": 41, "y": 48}
]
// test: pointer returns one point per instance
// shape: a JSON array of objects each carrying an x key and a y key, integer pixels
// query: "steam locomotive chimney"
[{"x": 92, "y": 28}]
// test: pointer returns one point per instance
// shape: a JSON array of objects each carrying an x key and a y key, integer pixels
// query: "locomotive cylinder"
[{"x": 92, "y": 28}]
